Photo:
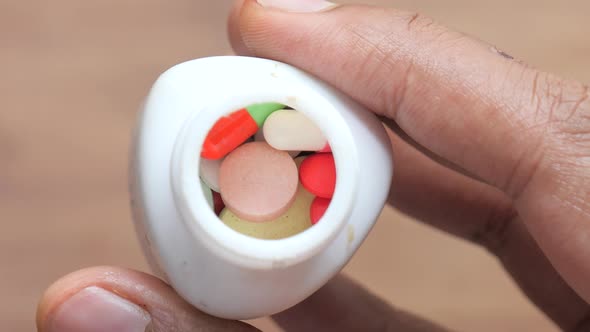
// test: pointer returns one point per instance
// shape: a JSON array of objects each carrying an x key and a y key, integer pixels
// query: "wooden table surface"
[{"x": 73, "y": 75}]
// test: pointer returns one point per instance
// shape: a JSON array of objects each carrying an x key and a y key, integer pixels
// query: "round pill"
[
  {"x": 291, "y": 130},
  {"x": 318, "y": 208},
  {"x": 209, "y": 172},
  {"x": 318, "y": 174},
  {"x": 292, "y": 222},
  {"x": 257, "y": 182}
]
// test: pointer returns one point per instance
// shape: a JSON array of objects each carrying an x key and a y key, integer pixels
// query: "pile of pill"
[{"x": 267, "y": 171}]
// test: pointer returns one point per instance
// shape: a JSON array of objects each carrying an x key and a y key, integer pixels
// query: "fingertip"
[
  {"x": 238, "y": 15},
  {"x": 111, "y": 298},
  {"x": 69, "y": 285},
  {"x": 257, "y": 31},
  {"x": 233, "y": 30}
]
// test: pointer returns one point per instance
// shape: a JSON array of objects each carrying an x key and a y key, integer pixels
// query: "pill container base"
[{"x": 218, "y": 270}]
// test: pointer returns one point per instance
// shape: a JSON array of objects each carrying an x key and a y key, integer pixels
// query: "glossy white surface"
[{"x": 290, "y": 130}]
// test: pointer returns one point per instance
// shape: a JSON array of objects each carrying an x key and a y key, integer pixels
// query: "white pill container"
[{"x": 218, "y": 270}]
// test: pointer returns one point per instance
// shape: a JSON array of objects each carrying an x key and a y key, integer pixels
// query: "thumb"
[
  {"x": 516, "y": 128},
  {"x": 116, "y": 299}
]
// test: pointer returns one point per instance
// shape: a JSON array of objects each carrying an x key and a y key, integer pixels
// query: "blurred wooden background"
[{"x": 73, "y": 75}]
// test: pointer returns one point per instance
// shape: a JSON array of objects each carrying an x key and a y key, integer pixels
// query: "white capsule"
[
  {"x": 259, "y": 137},
  {"x": 290, "y": 130}
]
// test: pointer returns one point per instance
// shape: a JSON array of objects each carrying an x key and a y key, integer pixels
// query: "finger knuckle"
[
  {"x": 574, "y": 122},
  {"x": 418, "y": 22},
  {"x": 429, "y": 29},
  {"x": 554, "y": 115},
  {"x": 561, "y": 109},
  {"x": 559, "y": 105}
]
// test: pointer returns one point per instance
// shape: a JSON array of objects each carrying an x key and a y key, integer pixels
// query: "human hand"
[
  {"x": 488, "y": 149},
  {"x": 501, "y": 150}
]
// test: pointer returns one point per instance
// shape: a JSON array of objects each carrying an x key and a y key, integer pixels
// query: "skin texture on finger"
[
  {"x": 443, "y": 198},
  {"x": 344, "y": 306},
  {"x": 520, "y": 130},
  {"x": 406, "y": 67},
  {"x": 477, "y": 212},
  {"x": 167, "y": 310},
  {"x": 393, "y": 126}
]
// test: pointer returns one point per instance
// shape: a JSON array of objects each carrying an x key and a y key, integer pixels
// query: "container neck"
[{"x": 241, "y": 249}]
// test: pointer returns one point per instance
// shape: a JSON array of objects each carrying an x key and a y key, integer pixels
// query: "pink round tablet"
[
  {"x": 318, "y": 174},
  {"x": 257, "y": 182},
  {"x": 318, "y": 208}
]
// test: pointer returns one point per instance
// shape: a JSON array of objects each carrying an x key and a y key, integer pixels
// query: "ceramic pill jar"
[{"x": 218, "y": 270}]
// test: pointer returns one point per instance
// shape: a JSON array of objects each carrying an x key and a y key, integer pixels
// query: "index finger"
[
  {"x": 453, "y": 94},
  {"x": 514, "y": 127}
]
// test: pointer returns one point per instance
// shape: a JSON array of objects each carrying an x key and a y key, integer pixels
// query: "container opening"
[{"x": 267, "y": 171}]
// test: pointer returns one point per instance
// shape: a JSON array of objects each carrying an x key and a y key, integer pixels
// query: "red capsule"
[{"x": 228, "y": 133}]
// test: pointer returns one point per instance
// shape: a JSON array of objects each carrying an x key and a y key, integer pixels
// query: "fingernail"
[
  {"x": 94, "y": 309},
  {"x": 298, "y": 6}
]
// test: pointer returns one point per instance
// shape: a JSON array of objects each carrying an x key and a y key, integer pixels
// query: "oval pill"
[
  {"x": 291, "y": 130},
  {"x": 292, "y": 222},
  {"x": 257, "y": 182},
  {"x": 209, "y": 172},
  {"x": 318, "y": 174},
  {"x": 318, "y": 208},
  {"x": 259, "y": 137}
]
